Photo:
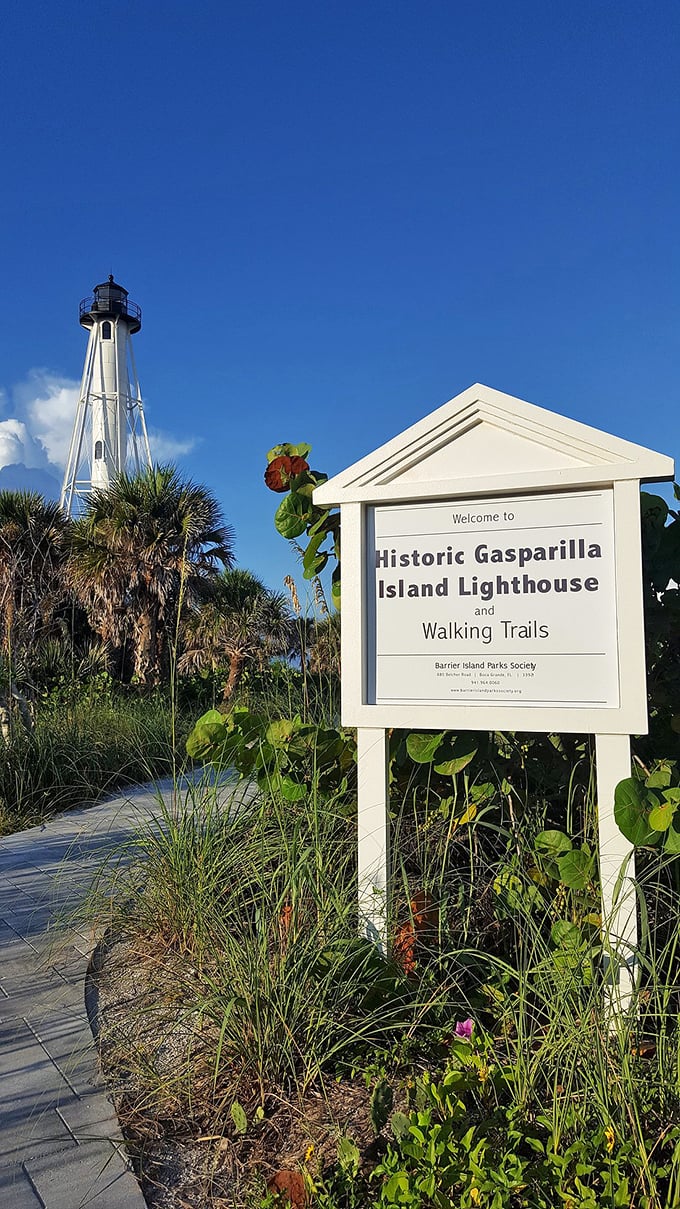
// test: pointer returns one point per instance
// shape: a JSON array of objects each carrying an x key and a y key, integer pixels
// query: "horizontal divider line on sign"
[
  {"x": 383, "y": 537},
  {"x": 482, "y": 654},
  {"x": 515, "y": 704}
]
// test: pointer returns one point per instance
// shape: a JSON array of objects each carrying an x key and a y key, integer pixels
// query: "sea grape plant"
[
  {"x": 661, "y": 576},
  {"x": 288, "y": 472},
  {"x": 646, "y": 808},
  {"x": 646, "y": 805},
  {"x": 286, "y": 756}
]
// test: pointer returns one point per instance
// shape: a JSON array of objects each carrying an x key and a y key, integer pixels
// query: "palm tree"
[
  {"x": 146, "y": 548},
  {"x": 243, "y": 622},
  {"x": 33, "y": 549}
]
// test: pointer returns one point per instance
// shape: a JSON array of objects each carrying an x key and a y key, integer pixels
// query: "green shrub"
[{"x": 79, "y": 750}]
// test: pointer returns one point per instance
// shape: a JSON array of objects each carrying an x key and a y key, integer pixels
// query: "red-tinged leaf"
[
  {"x": 290, "y": 1186},
  {"x": 281, "y": 470},
  {"x": 404, "y": 947}
]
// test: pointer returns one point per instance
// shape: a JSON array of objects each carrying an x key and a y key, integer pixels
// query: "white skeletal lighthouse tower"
[{"x": 109, "y": 433}]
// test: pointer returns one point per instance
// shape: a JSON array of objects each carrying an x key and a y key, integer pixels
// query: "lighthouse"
[{"x": 109, "y": 432}]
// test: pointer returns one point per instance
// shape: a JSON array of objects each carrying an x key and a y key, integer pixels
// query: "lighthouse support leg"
[{"x": 617, "y": 874}]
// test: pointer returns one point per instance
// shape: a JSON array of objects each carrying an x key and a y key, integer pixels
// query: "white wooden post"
[
  {"x": 373, "y": 848},
  {"x": 617, "y": 871}
]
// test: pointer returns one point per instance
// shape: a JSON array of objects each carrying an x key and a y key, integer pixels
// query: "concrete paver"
[
  {"x": 35, "y": 996},
  {"x": 60, "y": 1142},
  {"x": 93, "y": 1174},
  {"x": 67, "y": 1038},
  {"x": 17, "y": 1191},
  {"x": 89, "y": 1117}
]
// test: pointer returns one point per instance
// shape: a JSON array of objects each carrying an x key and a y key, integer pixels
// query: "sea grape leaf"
[
  {"x": 575, "y": 868},
  {"x": 277, "y": 475},
  {"x": 306, "y": 481},
  {"x": 468, "y": 814},
  {"x": 660, "y": 779},
  {"x": 631, "y": 808},
  {"x": 654, "y": 509},
  {"x": 291, "y": 790},
  {"x": 242, "y": 757},
  {"x": 208, "y": 733},
  {"x": 319, "y": 525},
  {"x": 292, "y": 515},
  {"x": 329, "y": 745},
  {"x": 212, "y": 715},
  {"x": 422, "y": 747},
  {"x": 551, "y": 844},
  {"x": 313, "y": 561},
  {"x": 239, "y": 1117},
  {"x": 565, "y": 935},
  {"x": 284, "y": 473},
  {"x": 335, "y": 589},
  {"x": 456, "y": 755},
  {"x": 672, "y": 840},
  {"x": 661, "y": 817},
  {"x": 280, "y": 732},
  {"x": 289, "y": 451}
]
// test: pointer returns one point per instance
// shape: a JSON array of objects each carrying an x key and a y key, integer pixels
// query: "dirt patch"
[{"x": 189, "y": 1144}]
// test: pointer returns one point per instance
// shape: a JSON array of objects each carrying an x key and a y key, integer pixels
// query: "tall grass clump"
[
  {"x": 258, "y": 894},
  {"x": 495, "y": 1071},
  {"x": 551, "y": 1098},
  {"x": 79, "y": 749}
]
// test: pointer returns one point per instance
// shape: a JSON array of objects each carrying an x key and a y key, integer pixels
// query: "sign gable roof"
[{"x": 484, "y": 441}]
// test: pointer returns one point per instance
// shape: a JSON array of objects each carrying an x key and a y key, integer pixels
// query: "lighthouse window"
[
  {"x": 106, "y": 330},
  {"x": 98, "y": 450}
]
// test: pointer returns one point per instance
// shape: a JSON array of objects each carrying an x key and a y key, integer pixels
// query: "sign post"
[
  {"x": 374, "y": 834},
  {"x": 492, "y": 581}
]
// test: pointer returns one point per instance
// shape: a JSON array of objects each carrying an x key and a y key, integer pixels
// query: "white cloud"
[
  {"x": 38, "y": 435},
  {"x": 17, "y": 446},
  {"x": 49, "y": 405},
  {"x": 165, "y": 448}
]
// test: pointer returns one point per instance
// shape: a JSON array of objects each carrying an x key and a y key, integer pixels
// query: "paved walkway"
[{"x": 60, "y": 1142}]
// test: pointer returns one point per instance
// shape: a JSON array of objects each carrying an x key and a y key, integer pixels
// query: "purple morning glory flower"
[{"x": 464, "y": 1029}]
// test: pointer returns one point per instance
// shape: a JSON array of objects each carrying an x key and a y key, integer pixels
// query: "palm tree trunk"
[
  {"x": 9, "y": 623},
  {"x": 236, "y": 668},
  {"x": 146, "y": 649}
]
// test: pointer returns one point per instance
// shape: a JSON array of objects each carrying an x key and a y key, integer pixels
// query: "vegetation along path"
[{"x": 60, "y": 1143}]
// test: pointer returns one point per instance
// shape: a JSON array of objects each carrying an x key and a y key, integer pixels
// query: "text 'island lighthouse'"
[{"x": 109, "y": 433}]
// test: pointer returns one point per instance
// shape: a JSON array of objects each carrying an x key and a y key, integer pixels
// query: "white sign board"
[
  {"x": 495, "y": 600},
  {"x": 492, "y": 580}
]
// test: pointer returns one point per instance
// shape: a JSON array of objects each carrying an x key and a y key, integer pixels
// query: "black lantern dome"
[{"x": 110, "y": 301}]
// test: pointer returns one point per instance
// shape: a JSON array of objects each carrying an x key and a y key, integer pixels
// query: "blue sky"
[{"x": 337, "y": 216}]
